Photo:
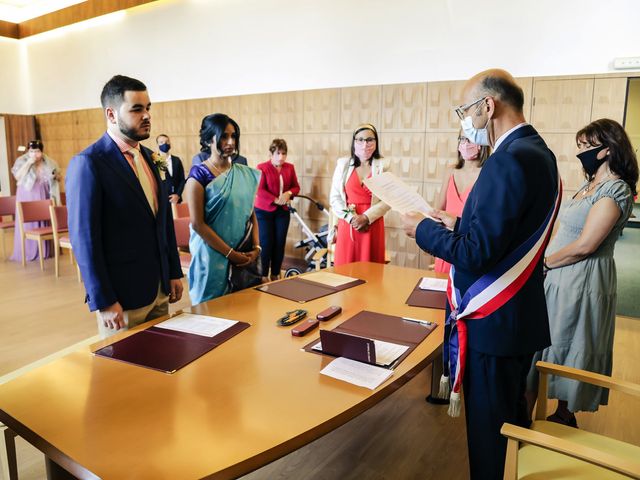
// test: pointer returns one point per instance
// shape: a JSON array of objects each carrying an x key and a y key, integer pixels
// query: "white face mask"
[{"x": 479, "y": 136}]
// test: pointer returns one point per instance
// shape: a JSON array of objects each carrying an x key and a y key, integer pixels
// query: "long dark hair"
[
  {"x": 213, "y": 126},
  {"x": 622, "y": 159},
  {"x": 376, "y": 153}
]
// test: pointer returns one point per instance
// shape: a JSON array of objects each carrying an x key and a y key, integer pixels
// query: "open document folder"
[
  {"x": 170, "y": 345},
  {"x": 397, "y": 194}
]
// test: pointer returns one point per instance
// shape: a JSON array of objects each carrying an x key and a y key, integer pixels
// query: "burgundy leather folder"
[
  {"x": 378, "y": 326},
  {"x": 342, "y": 345},
  {"x": 166, "y": 350},
  {"x": 300, "y": 290},
  {"x": 427, "y": 298}
]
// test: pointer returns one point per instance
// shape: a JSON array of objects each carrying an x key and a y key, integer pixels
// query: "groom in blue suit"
[
  {"x": 510, "y": 200},
  {"x": 120, "y": 223}
]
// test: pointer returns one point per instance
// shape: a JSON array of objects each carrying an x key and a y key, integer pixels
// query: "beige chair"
[
  {"x": 7, "y": 208},
  {"x": 34, "y": 211},
  {"x": 552, "y": 450},
  {"x": 60, "y": 226}
]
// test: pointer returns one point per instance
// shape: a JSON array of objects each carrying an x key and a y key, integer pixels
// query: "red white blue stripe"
[{"x": 491, "y": 291}]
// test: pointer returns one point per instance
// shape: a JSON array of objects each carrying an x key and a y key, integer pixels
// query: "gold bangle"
[{"x": 229, "y": 253}]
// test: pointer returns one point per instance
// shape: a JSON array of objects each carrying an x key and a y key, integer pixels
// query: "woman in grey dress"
[{"x": 580, "y": 284}]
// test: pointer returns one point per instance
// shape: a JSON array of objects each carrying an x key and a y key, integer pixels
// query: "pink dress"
[
  {"x": 354, "y": 246},
  {"x": 453, "y": 204},
  {"x": 40, "y": 191}
]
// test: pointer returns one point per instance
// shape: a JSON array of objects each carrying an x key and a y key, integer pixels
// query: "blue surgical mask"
[
  {"x": 165, "y": 147},
  {"x": 479, "y": 136}
]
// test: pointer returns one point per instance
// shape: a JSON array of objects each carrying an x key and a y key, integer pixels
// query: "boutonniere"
[{"x": 160, "y": 163}]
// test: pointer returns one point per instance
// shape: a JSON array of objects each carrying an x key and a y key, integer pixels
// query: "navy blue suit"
[
  {"x": 175, "y": 182},
  {"x": 515, "y": 191},
  {"x": 123, "y": 250}
]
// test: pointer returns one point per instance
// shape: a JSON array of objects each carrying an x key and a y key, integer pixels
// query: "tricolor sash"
[{"x": 486, "y": 295}]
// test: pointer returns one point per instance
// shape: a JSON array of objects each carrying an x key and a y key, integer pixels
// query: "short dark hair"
[
  {"x": 504, "y": 89},
  {"x": 36, "y": 145},
  {"x": 376, "y": 152},
  {"x": 213, "y": 126},
  {"x": 622, "y": 158},
  {"x": 113, "y": 92},
  {"x": 278, "y": 144},
  {"x": 162, "y": 135}
]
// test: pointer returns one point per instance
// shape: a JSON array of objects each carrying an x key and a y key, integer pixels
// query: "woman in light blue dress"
[
  {"x": 220, "y": 196},
  {"x": 580, "y": 284}
]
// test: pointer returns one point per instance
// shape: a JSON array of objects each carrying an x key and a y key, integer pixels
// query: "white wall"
[
  {"x": 14, "y": 82},
  {"x": 204, "y": 48}
]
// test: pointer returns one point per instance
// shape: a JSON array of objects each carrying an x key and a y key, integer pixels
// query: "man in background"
[{"x": 174, "y": 178}]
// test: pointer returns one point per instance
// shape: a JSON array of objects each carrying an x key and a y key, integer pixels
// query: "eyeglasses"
[
  {"x": 368, "y": 140},
  {"x": 462, "y": 109},
  {"x": 463, "y": 140}
]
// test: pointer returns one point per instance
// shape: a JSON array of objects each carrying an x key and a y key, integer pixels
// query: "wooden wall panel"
[
  {"x": 442, "y": 99},
  {"x": 441, "y": 153},
  {"x": 228, "y": 105},
  {"x": 360, "y": 105},
  {"x": 564, "y": 147},
  {"x": 404, "y": 107},
  {"x": 561, "y": 106},
  {"x": 320, "y": 154},
  {"x": 254, "y": 147},
  {"x": 418, "y": 134},
  {"x": 322, "y": 110},
  {"x": 405, "y": 153},
  {"x": 609, "y": 95},
  {"x": 287, "y": 112},
  {"x": 318, "y": 189},
  {"x": 526, "y": 83},
  {"x": 255, "y": 112}
]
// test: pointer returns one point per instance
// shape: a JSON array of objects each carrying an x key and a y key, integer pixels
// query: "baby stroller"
[{"x": 314, "y": 243}]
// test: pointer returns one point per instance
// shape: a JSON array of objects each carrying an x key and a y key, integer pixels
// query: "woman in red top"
[
  {"x": 458, "y": 182},
  {"x": 278, "y": 185}
]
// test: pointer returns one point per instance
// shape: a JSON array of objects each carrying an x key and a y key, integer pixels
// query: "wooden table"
[{"x": 231, "y": 411}]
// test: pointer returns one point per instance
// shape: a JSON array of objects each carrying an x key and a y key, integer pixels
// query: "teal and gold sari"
[{"x": 228, "y": 204}]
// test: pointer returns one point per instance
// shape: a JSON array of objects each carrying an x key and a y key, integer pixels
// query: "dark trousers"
[
  {"x": 273, "y": 228},
  {"x": 493, "y": 394}
]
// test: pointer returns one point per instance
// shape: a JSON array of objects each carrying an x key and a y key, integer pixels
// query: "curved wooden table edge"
[{"x": 268, "y": 456}]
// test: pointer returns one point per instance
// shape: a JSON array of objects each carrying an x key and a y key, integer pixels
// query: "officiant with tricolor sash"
[{"x": 496, "y": 315}]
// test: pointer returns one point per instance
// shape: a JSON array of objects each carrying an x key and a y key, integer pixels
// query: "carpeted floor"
[{"x": 627, "y": 257}]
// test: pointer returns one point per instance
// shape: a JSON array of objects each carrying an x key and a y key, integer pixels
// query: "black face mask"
[
  {"x": 589, "y": 160},
  {"x": 165, "y": 147}
]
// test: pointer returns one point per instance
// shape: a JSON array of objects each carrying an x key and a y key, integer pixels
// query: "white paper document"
[
  {"x": 328, "y": 278},
  {"x": 386, "y": 352},
  {"x": 437, "y": 284},
  {"x": 357, "y": 373},
  {"x": 397, "y": 194},
  {"x": 197, "y": 324}
]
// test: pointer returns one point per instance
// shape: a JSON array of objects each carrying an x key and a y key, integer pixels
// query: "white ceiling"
[{"x": 17, "y": 11}]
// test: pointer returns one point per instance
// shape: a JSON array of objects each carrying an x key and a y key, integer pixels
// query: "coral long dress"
[
  {"x": 354, "y": 246},
  {"x": 454, "y": 204}
]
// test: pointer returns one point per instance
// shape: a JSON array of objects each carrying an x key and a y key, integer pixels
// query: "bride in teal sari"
[{"x": 220, "y": 195}]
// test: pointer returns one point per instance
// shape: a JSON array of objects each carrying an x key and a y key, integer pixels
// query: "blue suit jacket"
[
  {"x": 509, "y": 201},
  {"x": 123, "y": 250}
]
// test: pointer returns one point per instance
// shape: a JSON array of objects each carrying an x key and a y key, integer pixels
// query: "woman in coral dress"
[
  {"x": 458, "y": 182},
  {"x": 360, "y": 236}
]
